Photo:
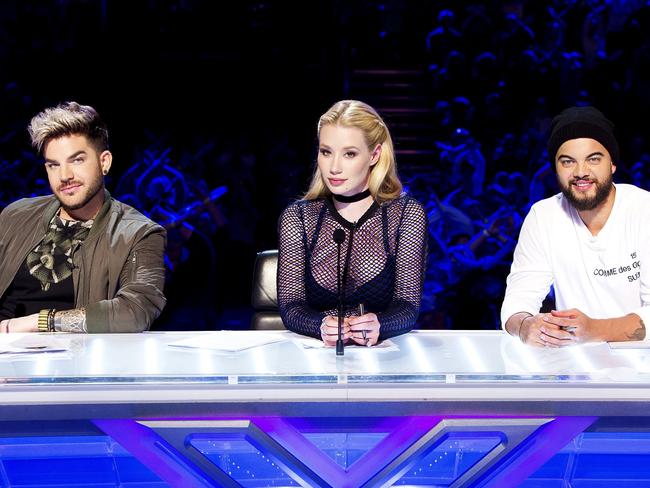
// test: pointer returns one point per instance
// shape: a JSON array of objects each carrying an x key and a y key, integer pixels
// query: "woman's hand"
[
  {"x": 329, "y": 330},
  {"x": 365, "y": 329}
]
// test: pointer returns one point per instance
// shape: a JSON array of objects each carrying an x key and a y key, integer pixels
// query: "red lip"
[{"x": 335, "y": 181}]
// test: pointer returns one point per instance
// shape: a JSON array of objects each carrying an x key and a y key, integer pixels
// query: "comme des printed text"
[{"x": 634, "y": 270}]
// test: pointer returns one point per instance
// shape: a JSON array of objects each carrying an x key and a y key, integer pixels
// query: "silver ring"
[{"x": 363, "y": 332}]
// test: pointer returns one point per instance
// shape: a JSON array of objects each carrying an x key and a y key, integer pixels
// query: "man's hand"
[
  {"x": 536, "y": 330},
  {"x": 565, "y": 327},
  {"x": 29, "y": 323},
  {"x": 582, "y": 327}
]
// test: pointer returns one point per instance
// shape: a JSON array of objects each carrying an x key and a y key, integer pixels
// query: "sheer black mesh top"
[{"x": 383, "y": 258}]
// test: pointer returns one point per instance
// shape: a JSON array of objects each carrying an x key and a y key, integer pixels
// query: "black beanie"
[{"x": 579, "y": 122}]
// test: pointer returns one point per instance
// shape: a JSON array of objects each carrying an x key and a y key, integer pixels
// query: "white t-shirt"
[{"x": 600, "y": 275}]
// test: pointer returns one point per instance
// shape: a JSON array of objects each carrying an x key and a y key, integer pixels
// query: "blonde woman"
[{"x": 355, "y": 188}]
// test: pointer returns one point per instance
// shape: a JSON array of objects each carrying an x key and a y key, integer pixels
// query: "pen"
[{"x": 362, "y": 311}]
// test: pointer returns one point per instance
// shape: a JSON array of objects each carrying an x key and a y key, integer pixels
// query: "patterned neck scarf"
[{"x": 51, "y": 261}]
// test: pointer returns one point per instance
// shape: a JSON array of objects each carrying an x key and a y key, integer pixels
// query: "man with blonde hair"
[{"x": 77, "y": 260}]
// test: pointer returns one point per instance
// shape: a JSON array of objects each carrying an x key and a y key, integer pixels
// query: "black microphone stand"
[{"x": 339, "y": 237}]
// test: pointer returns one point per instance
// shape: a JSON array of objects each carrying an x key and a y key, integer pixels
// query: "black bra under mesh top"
[{"x": 383, "y": 257}]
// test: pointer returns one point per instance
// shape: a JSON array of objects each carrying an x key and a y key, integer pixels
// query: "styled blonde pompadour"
[{"x": 67, "y": 119}]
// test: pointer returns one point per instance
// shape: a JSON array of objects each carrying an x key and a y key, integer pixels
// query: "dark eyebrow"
[
  {"x": 565, "y": 156},
  {"x": 597, "y": 153},
  {"x": 78, "y": 153}
]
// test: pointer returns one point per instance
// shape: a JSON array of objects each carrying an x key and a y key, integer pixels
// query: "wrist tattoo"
[
  {"x": 639, "y": 333},
  {"x": 70, "y": 321}
]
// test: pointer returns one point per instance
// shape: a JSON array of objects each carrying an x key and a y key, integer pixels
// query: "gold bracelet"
[{"x": 43, "y": 320}]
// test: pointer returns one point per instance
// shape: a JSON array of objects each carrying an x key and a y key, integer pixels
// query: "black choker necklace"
[{"x": 352, "y": 198}]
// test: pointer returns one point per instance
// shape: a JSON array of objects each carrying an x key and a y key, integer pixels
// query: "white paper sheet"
[
  {"x": 630, "y": 345},
  {"x": 311, "y": 343},
  {"x": 230, "y": 340},
  {"x": 32, "y": 344}
]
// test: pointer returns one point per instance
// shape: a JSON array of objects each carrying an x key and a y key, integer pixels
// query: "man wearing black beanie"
[{"x": 588, "y": 243}]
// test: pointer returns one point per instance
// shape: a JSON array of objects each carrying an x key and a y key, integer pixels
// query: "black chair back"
[{"x": 264, "y": 297}]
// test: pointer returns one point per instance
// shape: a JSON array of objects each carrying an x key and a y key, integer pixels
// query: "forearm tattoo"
[
  {"x": 639, "y": 333},
  {"x": 71, "y": 321}
]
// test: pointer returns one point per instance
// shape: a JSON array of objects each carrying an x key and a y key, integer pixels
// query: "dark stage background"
[{"x": 200, "y": 95}]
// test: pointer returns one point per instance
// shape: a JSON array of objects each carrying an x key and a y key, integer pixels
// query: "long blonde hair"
[{"x": 383, "y": 182}]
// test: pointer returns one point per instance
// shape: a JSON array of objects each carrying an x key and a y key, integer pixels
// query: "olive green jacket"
[{"x": 118, "y": 272}]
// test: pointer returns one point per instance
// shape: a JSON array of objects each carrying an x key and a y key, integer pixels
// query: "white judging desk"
[{"x": 175, "y": 409}]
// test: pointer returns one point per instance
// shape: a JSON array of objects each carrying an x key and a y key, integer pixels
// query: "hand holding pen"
[{"x": 364, "y": 327}]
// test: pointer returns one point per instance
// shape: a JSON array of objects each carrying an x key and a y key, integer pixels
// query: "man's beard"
[
  {"x": 603, "y": 189},
  {"x": 93, "y": 189}
]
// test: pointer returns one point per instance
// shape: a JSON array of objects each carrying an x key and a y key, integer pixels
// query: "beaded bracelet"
[{"x": 50, "y": 320}]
